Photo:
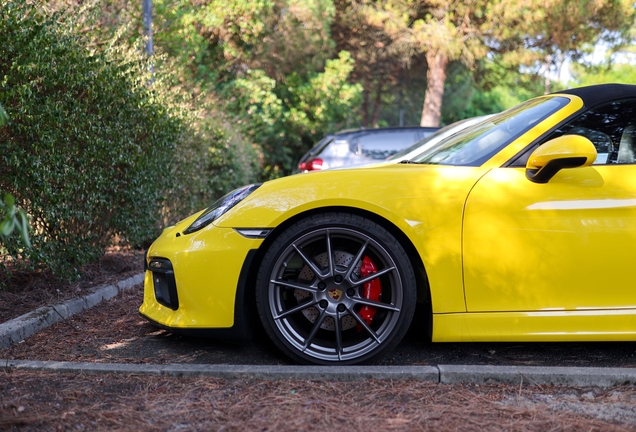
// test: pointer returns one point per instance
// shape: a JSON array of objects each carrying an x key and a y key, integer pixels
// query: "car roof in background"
[{"x": 352, "y": 132}]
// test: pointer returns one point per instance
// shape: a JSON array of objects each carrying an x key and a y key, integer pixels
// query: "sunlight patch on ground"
[{"x": 117, "y": 345}]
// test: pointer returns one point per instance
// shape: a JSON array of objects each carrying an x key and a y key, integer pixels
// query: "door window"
[{"x": 610, "y": 127}]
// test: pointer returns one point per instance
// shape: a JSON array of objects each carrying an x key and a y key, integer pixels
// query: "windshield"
[
  {"x": 474, "y": 146},
  {"x": 432, "y": 140}
]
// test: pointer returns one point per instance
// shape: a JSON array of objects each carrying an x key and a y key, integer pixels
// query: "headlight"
[{"x": 220, "y": 207}]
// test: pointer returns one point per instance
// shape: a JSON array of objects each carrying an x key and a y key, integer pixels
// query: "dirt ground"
[{"x": 114, "y": 332}]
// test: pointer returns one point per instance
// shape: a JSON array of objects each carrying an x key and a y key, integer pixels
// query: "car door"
[{"x": 569, "y": 244}]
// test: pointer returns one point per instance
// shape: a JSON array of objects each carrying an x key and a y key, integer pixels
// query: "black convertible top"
[{"x": 599, "y": 94}]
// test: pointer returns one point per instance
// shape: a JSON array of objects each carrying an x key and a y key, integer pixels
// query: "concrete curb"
[
  {"x": 20, "y": 328},
  {"x": 538, "y": 375},
  {"x": 444, "y": 374},
  {"x": 330, "y": 373}
]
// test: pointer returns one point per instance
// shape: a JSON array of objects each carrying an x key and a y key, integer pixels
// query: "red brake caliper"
[{"x": 370, "y": 290}]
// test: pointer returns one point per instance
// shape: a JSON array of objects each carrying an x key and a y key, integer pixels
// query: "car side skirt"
[{"x": 542, "y": 326}]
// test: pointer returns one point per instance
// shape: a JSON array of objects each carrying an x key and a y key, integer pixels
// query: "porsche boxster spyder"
[{"x": 520, "y": 228}]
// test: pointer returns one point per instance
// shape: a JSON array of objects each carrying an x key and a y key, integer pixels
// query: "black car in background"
[{"x": 360, "y": 146}]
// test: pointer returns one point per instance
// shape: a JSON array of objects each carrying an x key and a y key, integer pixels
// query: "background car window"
[
  {"x": 383, "y": 145},
  {"x": 336, "y": 148},
  {"x": 321, "y": 145},
  {"x": 611, "y": 129}
]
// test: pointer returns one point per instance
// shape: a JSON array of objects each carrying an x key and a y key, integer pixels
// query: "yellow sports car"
[{"x": 521, "y": 228}]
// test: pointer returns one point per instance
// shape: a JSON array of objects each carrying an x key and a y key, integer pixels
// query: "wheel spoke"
[
  {"x": 364, "y": 325},
  {"x": 373, "y": 276},
  {"x": 294, "y": 285},
  {"x": 380, "y": 305},
  {"x": 330, "y": 255},
  {"x": 315, "y": 329},
  {"x": 338, "y": 332},
  {"x": 295, "y": 309},
  {"x": 309, "y": 262},
  {"x": 355, "y": 260}
]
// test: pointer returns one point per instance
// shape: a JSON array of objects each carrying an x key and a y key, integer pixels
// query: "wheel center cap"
[{"x": 335, "y": 293}]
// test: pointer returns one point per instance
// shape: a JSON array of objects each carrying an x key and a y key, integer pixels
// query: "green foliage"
[
  {"x": 212, "y": 159},
  {"x": 89, "y": 142},
  {"x": 622, "y": 73},
  {"x": 542, "y": 34},
  {"x": 216, "y": 40},
  {"x": 287, "y": 119},
  {"x": 271, "y": 60},
  {"x": 14, "y": 219}
]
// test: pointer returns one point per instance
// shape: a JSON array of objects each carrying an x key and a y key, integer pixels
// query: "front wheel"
[{"x": 336, "y": 289}]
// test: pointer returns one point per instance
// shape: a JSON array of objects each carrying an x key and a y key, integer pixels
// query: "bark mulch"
[
  {"x": 89, "y": 336},
  {"x": 49, "y": 401},
  {"x": 31, "y": 400},
  {"x": 24, "y": 291}
]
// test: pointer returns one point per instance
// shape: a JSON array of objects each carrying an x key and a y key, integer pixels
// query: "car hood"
[{"x": 406, "y": 194}]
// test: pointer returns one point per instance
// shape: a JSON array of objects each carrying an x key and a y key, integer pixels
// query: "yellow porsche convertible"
[{"x": 521, "y": 228}]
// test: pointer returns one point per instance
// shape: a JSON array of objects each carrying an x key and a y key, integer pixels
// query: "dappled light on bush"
[
  {"x": 95, "y": 147},
  {"x": 88, "y": 144}
]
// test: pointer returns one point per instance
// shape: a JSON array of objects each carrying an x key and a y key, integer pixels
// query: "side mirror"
[{"x": 567, "y": 151}]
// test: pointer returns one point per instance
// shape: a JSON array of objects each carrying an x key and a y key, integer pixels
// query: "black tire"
[{"x": 309, "y": 290}]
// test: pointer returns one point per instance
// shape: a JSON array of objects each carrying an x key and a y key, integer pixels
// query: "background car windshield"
[
  {"x": 474, "y": 146},
  {"x": 383, "y": 145}
]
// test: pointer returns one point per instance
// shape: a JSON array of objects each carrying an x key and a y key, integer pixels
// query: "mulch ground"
[
  {"x": 49, "y": 401},
  {"x": 32, "y": 400},
  {"x": 89, "y": 335},
  {"x": 23, "y": 291}
]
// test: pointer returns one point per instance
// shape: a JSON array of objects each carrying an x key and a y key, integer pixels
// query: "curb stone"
[
  {"x": 331, "y": 373},
  {"x": 538, "y": 375},
  {"x": 443, "y": 374},
  {"x": 18, "y": 329}
]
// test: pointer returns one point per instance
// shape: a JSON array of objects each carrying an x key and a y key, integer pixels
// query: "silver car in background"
[{"x": 360, "y": 147}]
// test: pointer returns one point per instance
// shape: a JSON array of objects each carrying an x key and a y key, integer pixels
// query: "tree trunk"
[
  {"x": 377, "y": 104},
  {"x": 435, "y": 77},
  {"x": 365, "y": 108},
  {"x": 366, "y": 92}
]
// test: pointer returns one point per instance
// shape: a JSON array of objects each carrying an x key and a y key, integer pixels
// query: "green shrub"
[
  {"x": 88, "y": 147},
  {"x": 13, "y": 219},
  {"x": 286, "y": 119},
  {"x": 212, "y": 159}
]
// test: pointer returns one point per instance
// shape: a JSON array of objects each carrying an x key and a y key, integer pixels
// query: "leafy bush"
[
  {"x": 213, "y": 158},
  {"x": 272, "y": 61},
  {"x": 287, "y": 119},
  {"x": 13, "y": 219},
  {"x": 88, "y": 147}
]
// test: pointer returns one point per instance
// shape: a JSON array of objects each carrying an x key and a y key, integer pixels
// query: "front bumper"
[{"x": 194, "y": 284}]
